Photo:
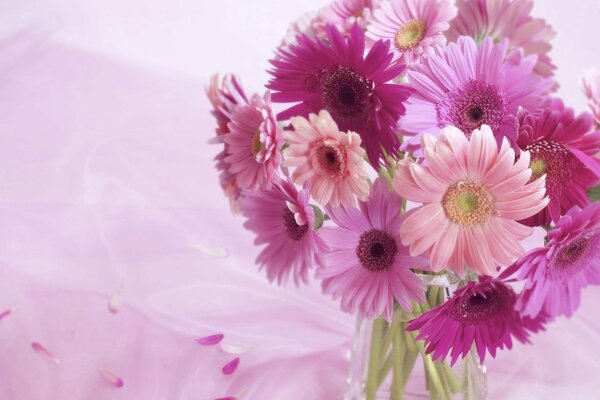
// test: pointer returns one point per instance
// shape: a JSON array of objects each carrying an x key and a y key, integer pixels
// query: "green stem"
[
  {"x": 373, "y": 371},
  {"x": 401, "y": 374}
]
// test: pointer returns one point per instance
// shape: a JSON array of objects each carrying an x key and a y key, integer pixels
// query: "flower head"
[
  {"x": 354, "y": 89},
  {"x": 332, "y": 161},
  {"x": 253, "y": 144},
  {"x": 481, "y": 313},
  {"x": 590, "y": 82},
  {"x": 472, "y": 193},
  {"x": 225, "y": 95},
  {"x": 284, "y": 222},
  {"x": 562, "y": 147},
  {"x": 467, "y": 87},
  {"x": 413, "y": 26},
  {"x": 555, "y": 274},
  {"x": 344, "y": 14},
  {"x": 506, "y": 19},
  {"x": 366, "y": 264}
]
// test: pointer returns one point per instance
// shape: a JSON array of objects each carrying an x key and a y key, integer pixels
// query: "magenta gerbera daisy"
[
  {"x": 482, "y": 314},
  {"x": 285, "y": 223},
  {"x": 506, "y": 19},
  {"x": 562, "y": 147},
  {"x": 413, "y": 26},
  {"x": 225, "y": 95},
  {"x": 253, "y": 144},
  {"x": 335, "y": 76},
  {"x": 472, "y": 193},
  {"x": 366, "y": 264},
  {"x": 590, "y": 82},
  {"x": 345, "y": 13},
  {"x": 556, "y": 273},
  {"x": 467, "y": 87},
  {"x": 330, "y": 160}
]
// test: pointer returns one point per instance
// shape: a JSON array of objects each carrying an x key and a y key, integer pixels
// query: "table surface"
[{"x": 117, "y": 247}]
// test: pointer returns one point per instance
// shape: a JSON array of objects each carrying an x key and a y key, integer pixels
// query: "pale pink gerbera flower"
[
  {"x": 563, "y": 147},
  {"x": 344, "y": 14},
  {"x": 253, "y": 144},
  {"x": 481, "y": 314},
  {"x": 336, "y": 76},
  {"x": 225, "y": 95},
  {"x": 330, "y": 160},
  {"x": 506, "y": 19},
  {"x": 366, "y": 264},
  {"x": 556, "y": 273},
  {"x": 472, "y": 195},
  {"x": 413, "y": 26},
  {"x": 466, "y": 87},
  {"x": 590, "y": 82},
  {"x": 285, "y": 223}
]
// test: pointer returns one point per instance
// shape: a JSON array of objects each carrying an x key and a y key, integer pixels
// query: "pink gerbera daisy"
[
  {"x": 413, "y": 26},
  {"x": 366, "y": 264},
  {"x": 225, "y": 95},
  {"x": 481, "y": 313},
  {"x": 345, "y": 13},
  {"x": 472, "y": 195},
  {"x": 590, "y": 82},
  {"x": 335, "y": 76},
  {"x": 332, "y": 161},
  {"x": 467, "y": 87},
  {"x": 253, "y": 144},
  {"x": 506, "y": 19},
  {"x": 283, "y": 221},
  {"x": 556, "y": 273},
  {"x": 562, "y": 147}
]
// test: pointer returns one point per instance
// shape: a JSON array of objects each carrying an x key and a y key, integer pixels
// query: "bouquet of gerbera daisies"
[{"x": 416, "y": 146}]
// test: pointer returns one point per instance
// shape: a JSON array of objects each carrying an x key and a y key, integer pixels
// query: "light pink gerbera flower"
[
  {"x": 506, "y": 19},
  {"x": 330, "y": 160},
  {"x": 285, "y": 223},
  {"x": 563, "y": 148},
  {"x": 225, "y": 95},
  {"x": 355, "y": 89},
  {"x": 472, "y": 195},
  {"x": 413, "y": 26},
  {"x": 467, "y": 87},
  {"x": 556, "y": 273},
  {"x": 253, "y": 144},
  {"x": 345, "y": 13},
  {"x": 481, "y": 313},
  {"x": 366, "y": 264},
  {"x": 590, "y": 82}
]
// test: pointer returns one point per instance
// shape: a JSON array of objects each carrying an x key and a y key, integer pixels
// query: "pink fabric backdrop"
[{"x": 107, "y": 190}]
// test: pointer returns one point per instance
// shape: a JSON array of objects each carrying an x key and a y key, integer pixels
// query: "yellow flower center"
[
  {"x": 538, "y": 168},
  {"x": 410, "y": 35},
  {"x": 468, "y": 203},
  {"x": 257, "y": 145}
]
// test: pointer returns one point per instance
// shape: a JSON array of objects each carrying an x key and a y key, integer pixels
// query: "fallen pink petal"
[
  {"x": 231, "y": 366},
  {"x": 211, "y": 340},
  {"x": 41, "y": 350},
  {"x": 6, "y": 313},
  {"x": 112, "y": 377}
]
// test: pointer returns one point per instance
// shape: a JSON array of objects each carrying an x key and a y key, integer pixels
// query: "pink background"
[{"x": 107, "y": 186}]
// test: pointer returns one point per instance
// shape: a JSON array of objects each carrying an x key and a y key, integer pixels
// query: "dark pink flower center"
[
  {"x": 294, "y": 231},
  {"x": 554, "y": 160},
  {"x": 346, "y": 95},
  {"x": 492, "y": 302},
  {"x": 474, "y": 104},
  {"x": 376, "y": 250},
  {"x": 569, "y": 254},
  {"x": 331, "y": 160}
]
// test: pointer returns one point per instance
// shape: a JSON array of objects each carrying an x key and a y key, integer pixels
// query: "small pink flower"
[
  {"x": 506, "y": 19},
  {"x": 345, "y": 13},
  {"x": 253, "y": 144},
  {"x": 555, "y": 274},
  {"x": 590, "y": 82},
  {"x": 563, "y": 147},
  {"x": 472, "y": 193},
  {"x": 366, "y": 264},
  {"x": 284, "y": 222},
  {"x": 482, "y": 314},
  {"x": 330, "y": 160},
  {"x": 412, "y": 26}
]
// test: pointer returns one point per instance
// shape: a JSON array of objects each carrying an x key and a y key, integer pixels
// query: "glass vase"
[{"x": 387, "y": 362}]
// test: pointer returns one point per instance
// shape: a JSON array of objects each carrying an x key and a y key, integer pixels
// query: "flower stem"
[
  {"x": 401, "y": 373},
  {"x": 374, "y": 359}
]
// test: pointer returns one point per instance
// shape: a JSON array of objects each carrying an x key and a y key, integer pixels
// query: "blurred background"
[{"x": 117, "y": 248}]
